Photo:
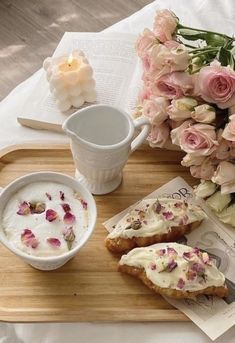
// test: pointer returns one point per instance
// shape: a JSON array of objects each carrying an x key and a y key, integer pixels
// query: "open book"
[{"x": 116, "y": 70}]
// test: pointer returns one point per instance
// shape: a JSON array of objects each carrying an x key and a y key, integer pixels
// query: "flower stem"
[{"x": 207, "y": 31}]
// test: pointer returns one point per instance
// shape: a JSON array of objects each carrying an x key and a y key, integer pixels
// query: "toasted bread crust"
[
  {"x": 121, "y": 245},
  {"x": 221, "y": 291}
]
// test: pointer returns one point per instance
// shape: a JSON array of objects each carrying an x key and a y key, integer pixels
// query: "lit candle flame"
[{"x": 70, "y": 59}]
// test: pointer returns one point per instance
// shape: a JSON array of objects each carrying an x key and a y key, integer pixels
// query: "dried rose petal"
[
  {"x": 24, "y": 209},
  {"x": 168, "y": 215},
  {"x": 205, "y": 258},
  {"x": 66, "y": 207},
  {"x": 157, "y": 207},
  {"x": 29, "y": 239},
  {"x": 161, "y": 252},
  {"x": 51, "y": 215},
  {"x": 69, "y": 218},
  {"x": 61, "y": 195},
  {"x": 180, "y": 283},
  {"x": 84, "y": 204},
  {"x": 38, "y": 207},
  {"x": 198, "y": 268},
  {"x": 54, "y": 242},
  {"x": 152, "y": 266},
  {"x": 191, "y": 275},
  {"x": 189, "y": 255},
  {"x": 49, "y": 196},
  {"x": 178, "y": 204},
  {"x": 69, "y": 236},
  {"x": 196, "y": 251},
  {"x": 135, "y": 225},
  {"x": 171, "y": 252},
  {"x": 171, "y": 266}
]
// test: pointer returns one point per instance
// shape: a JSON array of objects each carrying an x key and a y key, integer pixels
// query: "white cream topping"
[
  {"x": 15, "y": 224},
  {"x": 156, "y": 216},
  {"x": 154, "y": 264}
]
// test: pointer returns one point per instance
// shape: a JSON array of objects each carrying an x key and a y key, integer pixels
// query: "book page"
[
  {"x": 212, "y": 314},
  {"x": 113, "y": 60}
]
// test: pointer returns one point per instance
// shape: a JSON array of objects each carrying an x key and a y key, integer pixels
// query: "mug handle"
[{"x": 145, "y": 124}]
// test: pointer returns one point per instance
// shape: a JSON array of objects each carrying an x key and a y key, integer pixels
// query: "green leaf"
[
  {"x": 213, "y": 39},
  {"x": 225, "y": 57},
  {"x": 192, "y": 34}
]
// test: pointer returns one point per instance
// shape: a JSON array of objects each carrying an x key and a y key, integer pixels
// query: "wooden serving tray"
[{"x": 87, "y": 288}]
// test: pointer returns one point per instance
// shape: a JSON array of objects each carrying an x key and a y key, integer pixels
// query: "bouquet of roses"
[{"x": 188, "y": 95}]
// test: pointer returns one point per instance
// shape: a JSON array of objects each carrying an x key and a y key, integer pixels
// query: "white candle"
[{"x": 71, "y": 80}]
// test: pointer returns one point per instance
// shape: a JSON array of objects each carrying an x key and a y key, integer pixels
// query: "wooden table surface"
[
  {"x": 30, "y": 30},
  {"x": 88, "y": 287}
]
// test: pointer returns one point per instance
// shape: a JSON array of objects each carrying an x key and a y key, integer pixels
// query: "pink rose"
[
  {"x": 177, "y": 132},
  {"x": 204, "y": 114},
  {"x": 229, "y": 131},
  {"x": 158, "y": 135},
  {"x": 198, "y": 139},
  {"x": 204, "y": 171},
  {"x": 223, "y": 150},
  {"x": 156, "y": 109},
  {"x": 165, "y": 24},
  {"x": 181, "y": 109},
  {"x": 216, "y": 84},
  {"x": 145, "y": 41},
  {"x": 163, "y": 60},
  {"x": 192, "y": 160},
  {"x": 225, "y": 177},
  {"x": 144, "y": 94},
  {"x": 173, "y": 85}
]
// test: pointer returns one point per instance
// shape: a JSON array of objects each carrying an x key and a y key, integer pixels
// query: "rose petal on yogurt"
[
  {"x": 61, "y": 195},
  {"x": 28, "y": 238},
  {"x": 51, "y": 215},
  {"x": 84, "y": 204},
  {"x": 24, "y": 209},
  {"x": 37, "y": 207},
  {"x": 66, "y": 207},
  {"x": 69, "y": 236},
  {"x": 69, "y": 218},
  {"x": 54, "y": 242},
  {"x": 168, "y": 215},
  {"x": 48, "y": 196}
]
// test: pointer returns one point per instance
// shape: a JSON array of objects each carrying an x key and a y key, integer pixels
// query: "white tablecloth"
[{"x": 216, "y": 15}]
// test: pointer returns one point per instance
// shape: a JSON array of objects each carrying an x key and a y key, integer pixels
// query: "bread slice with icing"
[
  {"x": 175, "y": 270},
  {"x": 154, "y": 221}
]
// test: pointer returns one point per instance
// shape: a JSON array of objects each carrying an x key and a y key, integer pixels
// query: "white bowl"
[{"x": 50, "y": 262}]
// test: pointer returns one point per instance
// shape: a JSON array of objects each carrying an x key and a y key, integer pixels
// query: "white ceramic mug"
[{"x": 102, "y": 137}]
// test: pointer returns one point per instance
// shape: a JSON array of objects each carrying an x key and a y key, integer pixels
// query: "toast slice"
[
  {"x": 154, "y": 221},
  {"x": 175, "y": 270}
]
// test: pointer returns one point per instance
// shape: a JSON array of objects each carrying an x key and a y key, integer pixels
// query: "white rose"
[
  {"x": 205, "y": 189},
  {"x": 227, "y": 216},
  {"x": 217, "y": 202}
]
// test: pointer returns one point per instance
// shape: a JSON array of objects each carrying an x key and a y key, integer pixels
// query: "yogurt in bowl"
[{"x": 45, "y": 218}]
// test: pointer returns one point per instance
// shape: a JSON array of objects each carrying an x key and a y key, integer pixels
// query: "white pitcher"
[{"x": 102, "y": 138}]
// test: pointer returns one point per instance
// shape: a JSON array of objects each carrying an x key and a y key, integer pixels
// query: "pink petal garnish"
[
  {"x": 198, "y": 268},
  {"x": 49, "y": 196},
  {"x": 69, "y": 218},
  {"x": 168, "y": 215},
  {"x": 205, "y": 258},
  {"x": 24, "y": 209},
  {"x": 29, "y": 239},
  {"x": 189, "y": 255},
  {"x": 61, "y": 195},
  {"x": 196, "y": 251},
  {"x": 54, "y": 242},
  {"x": 171, "y": 266},
  {"x": 157, "y": 207},
  {"x": 66, "y": 207},
  {"x": 161, "y": 252},
  {"x": 178, "y": 204},
  {"x": 171, "y": 251},
  {"x": 84, "y": 204},
  {"x": 51, "y": 215},
  {"x": 181, "y": 283},
  {"x": 191, "y": 275},
  {"x": 152, "y": 266}
]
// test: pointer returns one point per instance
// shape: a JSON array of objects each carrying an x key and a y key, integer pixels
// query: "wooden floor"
[{"x": 31, "y": 29}]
